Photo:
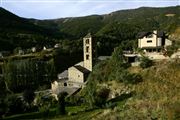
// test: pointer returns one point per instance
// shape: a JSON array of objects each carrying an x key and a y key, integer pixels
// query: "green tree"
[
  {"x": 61, "y": 103},
  {"x": 146, "y": 62},
  {"x": 29, "y": 96}
]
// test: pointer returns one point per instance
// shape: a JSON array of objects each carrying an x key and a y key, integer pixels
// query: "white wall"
[
  {"x": 75, "y": 75},
  {"x": 143, "y": 42},
  {"x": 168, "y": 42},
  {"x": 159, "y": 42}
]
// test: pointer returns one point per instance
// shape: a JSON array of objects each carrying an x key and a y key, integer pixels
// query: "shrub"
[
  {"x": 102, "y": 96},
  {"x": 28, "y": 96},
  {"x": 14, "y": 104},
  {"x": 127, "y": 78},
  {"x": 74, "y": 100},
  {"x": 146, "y": 62},
  {"x": 61, "y": 103}
]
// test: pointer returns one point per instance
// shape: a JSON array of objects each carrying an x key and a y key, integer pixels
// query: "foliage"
[
  {"x": 14, "y": 105},
  {"x": 69, "y": 53},
  {"x": 22, "y": 74},
  {"x": 29, "y": 96},
  {"x": 44, "y": 103},
  {"x": 111, "y": 29},
  {"x": 95, "y": 97},
  {"x": 74, "y": 100},
  {"x": 90, "y": 93},
  {"x": 127, "y": 78},
  {"x": 146, "y": 62},
  {"x": 102, "y": 96},
  {"x": 172, "y": 49},
  {"x": 61, "y": 103}
]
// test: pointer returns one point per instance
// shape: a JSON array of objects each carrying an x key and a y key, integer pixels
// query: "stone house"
[{"x": 153, "y": 41}]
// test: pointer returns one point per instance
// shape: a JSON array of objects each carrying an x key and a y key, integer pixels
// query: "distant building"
[
  {"x": 57, "y": 45},
  {"x": 47, "y": 47},
  {"x": 21, "y": 52},
  {"x": 4, "y": 53},
  {"x": 33, "y": 49},
  {"x": 153, "y": 41}
]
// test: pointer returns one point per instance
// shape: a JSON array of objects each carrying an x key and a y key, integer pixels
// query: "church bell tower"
[{"x": 88, "y": 51}]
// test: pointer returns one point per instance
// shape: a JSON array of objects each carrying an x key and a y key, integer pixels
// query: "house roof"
[
  {"x": 142, "y": 34},
  {"x": 82, "y": 69},
  {"x": 64, "y": 74},
  {"x": 103, "y": 57},
  {"x": 88, "y": 35}
]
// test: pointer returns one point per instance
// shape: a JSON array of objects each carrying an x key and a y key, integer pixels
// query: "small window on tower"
[
  {"x": 87, "y": 49},
  {"x": 87, "y": 57},
  {"x": 87, "y": 41}
]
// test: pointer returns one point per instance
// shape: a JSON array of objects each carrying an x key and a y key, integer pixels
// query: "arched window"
[
  {"x": 87, "y": 57},
  {"x": 87, "y": 41}
]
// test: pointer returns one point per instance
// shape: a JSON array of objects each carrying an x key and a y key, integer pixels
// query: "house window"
[
  {"x": 87, "y": 41},
  {"x": 149, "y": 41},
  {"x": 87, "y": 49},
  {"x": 87, "y": 57}
]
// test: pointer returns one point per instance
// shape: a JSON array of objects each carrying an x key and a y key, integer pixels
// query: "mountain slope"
[
  {"x": 16, "y": 31},
  {"x": 111, "y": 29},
  {"x": 145, "y": 18}
]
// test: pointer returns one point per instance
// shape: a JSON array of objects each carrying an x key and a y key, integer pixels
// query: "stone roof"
[
  {"x": 104, "y": 57},
  {"x": 88, "y": 35},
  {"x": 62, "y": 75},
  {"x": 142, "y": 34},
  {"x": 82, "y": 69}
]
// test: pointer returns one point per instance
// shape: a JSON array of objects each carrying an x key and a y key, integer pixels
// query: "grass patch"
[{"x": 39, "y": 115}]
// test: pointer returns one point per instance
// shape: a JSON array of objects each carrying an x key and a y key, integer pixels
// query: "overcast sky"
[{"x": 51, "y": 9}]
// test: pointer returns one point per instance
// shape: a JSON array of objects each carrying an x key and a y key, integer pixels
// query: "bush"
[
  {"x": 14, "y": 104},
  {"x": 126, "y": 77},
  {"x": 74, "y": 100},
  {"x": 28, "y": 96},
  {"x": 61, "y": 103},
  {"x": 102, "y": 96},
  {"x": 146, "y": 62}
]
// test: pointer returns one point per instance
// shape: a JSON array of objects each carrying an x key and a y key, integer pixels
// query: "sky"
[{"x": 52, "y": 9}]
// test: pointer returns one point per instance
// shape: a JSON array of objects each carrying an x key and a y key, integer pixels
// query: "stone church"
[{"x": 76, "y": 76}]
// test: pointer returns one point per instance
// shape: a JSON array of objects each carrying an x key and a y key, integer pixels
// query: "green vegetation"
[
  {"x": 114, "y": 89},
  {"x": 146, "y": 62},
  {"x": 23, "y": 74},
  {"x": 111, "y": 29},
  {"x": 61, "y": 103}
]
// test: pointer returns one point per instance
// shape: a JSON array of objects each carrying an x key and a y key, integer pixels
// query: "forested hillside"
[
  {"x": 111, "y": 29},
  {"x": 19, "y": 32},
  {"x": 142, "y": 18}
]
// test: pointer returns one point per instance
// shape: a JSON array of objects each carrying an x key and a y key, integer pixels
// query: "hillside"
[
  {"x": 19, "y": 32},
  {"x": 156, "y": 97},
  {"x": 111, "y": 29},
  {"x": 144, "y": 18}
]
